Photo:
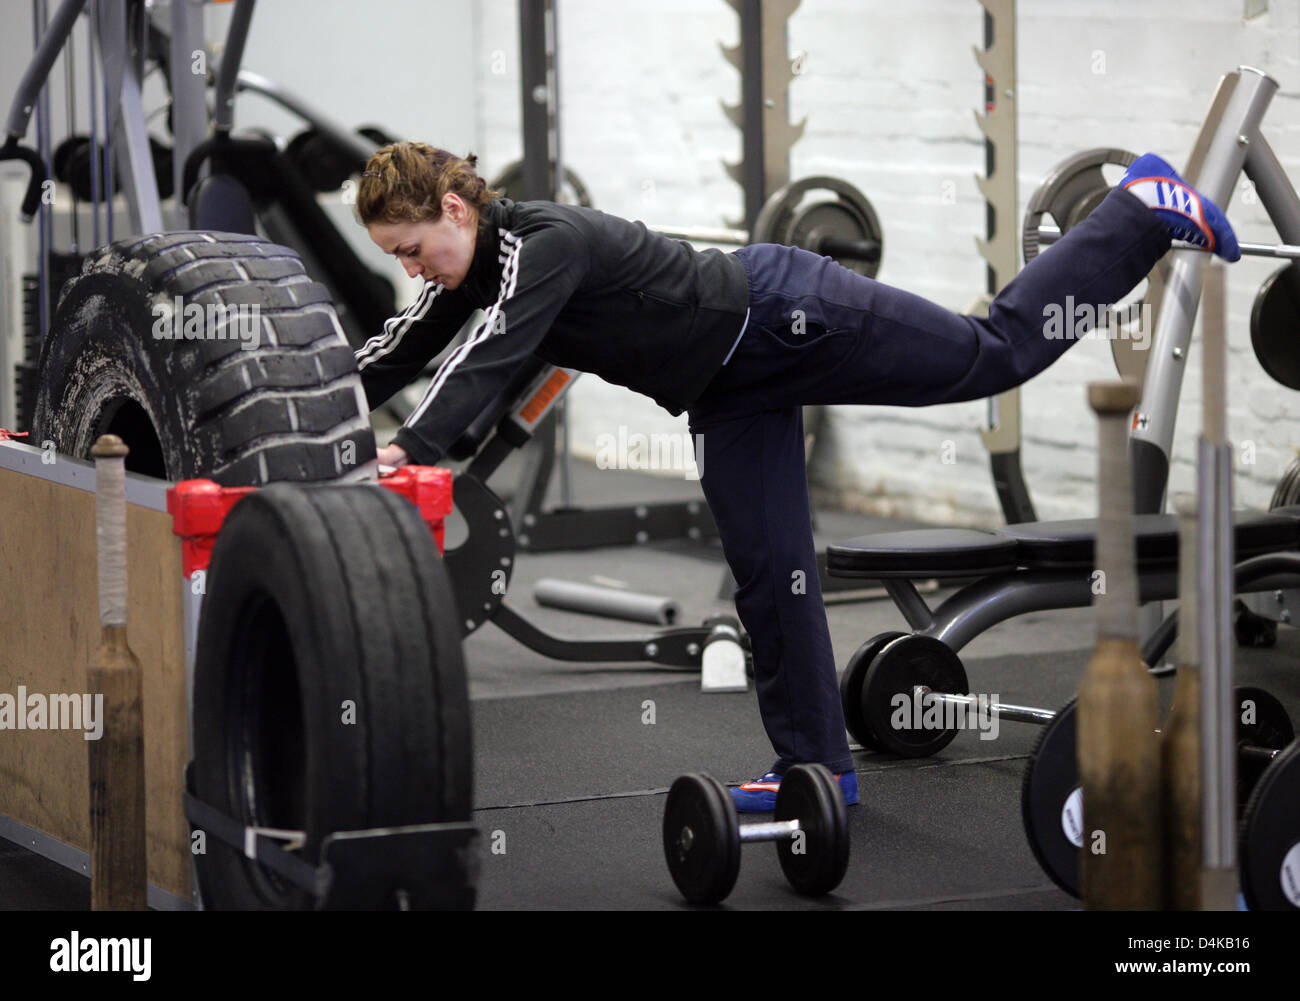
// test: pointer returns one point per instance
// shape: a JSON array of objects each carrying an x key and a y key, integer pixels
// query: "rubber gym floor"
[{"x": 570, "y": 781}]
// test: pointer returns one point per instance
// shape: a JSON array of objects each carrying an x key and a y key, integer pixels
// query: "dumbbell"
[
  {"x": 1051, "y": 795},
  {"x": 702, "y": 836},
  {"x": 927, "y": 672}
]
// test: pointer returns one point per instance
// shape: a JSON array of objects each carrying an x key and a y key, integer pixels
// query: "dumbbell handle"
[
  {"x": 772, "y": 830},
  {"x": 1031, "y": 714}
]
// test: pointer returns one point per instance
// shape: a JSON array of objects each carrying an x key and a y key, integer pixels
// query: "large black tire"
[
  {"x": 278, "y": 400},
  {"x": 316, "y": 597}
]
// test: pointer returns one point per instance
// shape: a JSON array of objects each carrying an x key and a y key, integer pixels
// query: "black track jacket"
[{"x": 575, "y": 287}]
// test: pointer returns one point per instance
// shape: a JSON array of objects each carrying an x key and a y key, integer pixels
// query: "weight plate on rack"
[
  {"x": 815, "y": 860},
  {"x": 702, "y": 838},
  {"x": 1270, "y": 837},
  {"x": 572, "y": 192},
  {"x": 1273, "y": 322},
  {"x": 1071, "y": 190},
  {"x": 902, "y": 727},
  {"x": 1051, "y": 800},
  {"x": 855, "y": 673},
  {"x": 808, "y": 212}
]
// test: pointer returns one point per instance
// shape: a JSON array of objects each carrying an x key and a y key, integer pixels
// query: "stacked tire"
[
  {"x": 329, "y": 685},
  {"x": 271, "y": 394}
]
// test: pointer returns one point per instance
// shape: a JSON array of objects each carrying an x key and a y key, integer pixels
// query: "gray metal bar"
[
  {"x": 1274, "y": 190},
  {"x": 535, "y": 55},
  {"x": 1014, "y": 713},
  {"x": 1217, "y": 159},
  {"x": 1218, "y": 705},
  {"x": 44, "y": 224},
  {"x": 356, "y": 144},
  {"x": 51, "y": 42},
  {"x": 127, "y": 129},
  {"x": 910, "y": 603},
  {"x": 631, "y": 605},
  {"x": 772, "y": 830},
  {"x": 96, "y": 181},
  {"x": 1281, "y": 250},
  {"x": 189, "y": 89},
  {"x": 729, "y": 237},
  {"x": 233, "y": 55}
]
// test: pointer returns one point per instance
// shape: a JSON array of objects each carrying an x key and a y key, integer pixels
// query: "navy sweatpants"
[{"x": 819, "y": 334}]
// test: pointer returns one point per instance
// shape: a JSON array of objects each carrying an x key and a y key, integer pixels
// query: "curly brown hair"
[{"x": 405, "y": 182}]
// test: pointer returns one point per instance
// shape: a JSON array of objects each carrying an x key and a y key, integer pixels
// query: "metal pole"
[
  {"x": 1214, "y": 607},
  {"x": 96, "y": 181}
]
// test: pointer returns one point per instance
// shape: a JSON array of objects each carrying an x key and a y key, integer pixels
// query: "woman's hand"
[{"x": 393, "y": 455}]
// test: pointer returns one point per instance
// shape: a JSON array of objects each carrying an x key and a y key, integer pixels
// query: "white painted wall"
[{"x": 889, "y": 91}]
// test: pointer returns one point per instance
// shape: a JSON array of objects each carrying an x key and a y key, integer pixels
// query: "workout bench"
[{"x": 1044, "y": 565}]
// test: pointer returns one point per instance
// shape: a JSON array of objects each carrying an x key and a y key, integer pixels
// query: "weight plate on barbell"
[
  {"x": 903, "y": 728},
  {"x": 815, "y": 859},
  {"x": 701, "y": 838},
  {"x": 1270, "y": 837},
  {"x": 572, "y": 192},
  {"x": 1051, "y": 800},
  {"x": 1071, "y": 190},
  {"x": 808, "y": 211},
  {"x": 1268, "y": 726},
  {"x": 855, "y": 673}
]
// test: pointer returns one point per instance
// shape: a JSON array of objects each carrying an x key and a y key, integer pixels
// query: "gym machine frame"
[{"x": 481, "y": 566}]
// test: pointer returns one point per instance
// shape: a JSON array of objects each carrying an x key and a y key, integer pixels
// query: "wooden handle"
[
  {"x": 1115, "y": 552},
  {"x": 118, "y": 853}
]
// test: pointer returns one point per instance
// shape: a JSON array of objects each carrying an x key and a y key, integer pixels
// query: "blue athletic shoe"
[
  {"x": 1189, "y": 215},
  {"x": 759, "y": 796}
]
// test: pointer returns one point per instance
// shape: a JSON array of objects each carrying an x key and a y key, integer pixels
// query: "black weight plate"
[
  {"x": 1273, "y": 322},
  {"x": 1051, "y": 800},
  {"x": 902, "y": 664},
  {"x": 810, "y": 794},
  {"x": 1270, "y": 727},
  {"x": 855, "y": 672},
  {"x": 511, "y": 178},
  {"x": 829, "y": 205},
  {"x": 1270, "y": 837},
  {"x": 701, "y": 838}
]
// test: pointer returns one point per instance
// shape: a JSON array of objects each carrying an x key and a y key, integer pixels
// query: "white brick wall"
[{"x": 889, "y": 91}]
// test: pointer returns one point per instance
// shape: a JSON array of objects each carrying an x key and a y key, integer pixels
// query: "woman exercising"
[{"x": 740, "y": 342}]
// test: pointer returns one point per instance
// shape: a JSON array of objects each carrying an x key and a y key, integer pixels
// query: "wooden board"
[{"x": 49, "y": 630}]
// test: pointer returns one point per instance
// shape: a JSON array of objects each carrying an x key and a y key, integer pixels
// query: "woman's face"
[{"x": 439, "y": 251}]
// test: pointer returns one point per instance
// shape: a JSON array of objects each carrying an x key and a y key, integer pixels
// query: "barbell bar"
[{"x": 1284, "y": 251}]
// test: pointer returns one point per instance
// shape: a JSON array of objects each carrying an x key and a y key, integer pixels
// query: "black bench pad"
[{"x": 963, "y": 552}]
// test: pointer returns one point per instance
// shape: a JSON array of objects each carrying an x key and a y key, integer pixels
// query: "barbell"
[{"x": 825, "y": 215}]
